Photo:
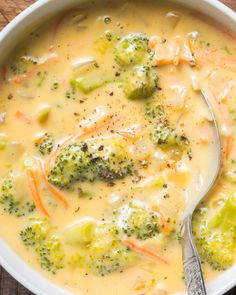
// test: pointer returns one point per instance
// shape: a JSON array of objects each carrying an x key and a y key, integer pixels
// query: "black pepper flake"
[
  {"x": 10, "y": 96},
  {"x": 77, "y": 210}
]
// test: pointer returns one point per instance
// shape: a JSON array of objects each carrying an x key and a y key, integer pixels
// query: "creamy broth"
[{"x": 70, "y": 84}]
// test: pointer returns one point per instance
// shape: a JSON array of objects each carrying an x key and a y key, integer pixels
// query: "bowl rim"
[{"x": 37, "y": 283}]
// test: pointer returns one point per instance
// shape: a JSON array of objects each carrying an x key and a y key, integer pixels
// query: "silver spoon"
[{"x": 191, "y": 261}]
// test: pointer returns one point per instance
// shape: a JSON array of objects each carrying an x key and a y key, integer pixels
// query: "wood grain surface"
[{"x": 8, "y": 10}]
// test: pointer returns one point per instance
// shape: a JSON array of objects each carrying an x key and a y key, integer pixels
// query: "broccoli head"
[
  {"x": 104, "y": 42},
  {"x": 51, "y": 255},
  {"x": 131, "y": 49},
  {"x": 138, "y": 221},
  {"x": 89, "y": 162},
  {"x": 36, "y": 232},
  {"x": 38, "y": 235},
  {"x": 166, "y": 137},
  {"x": 216, "y": 236},
  {"x": 107, "y": 254},
  {"x": 10, "y": 204},
  {"x": 45, "y": 145},
  {"x": 155, "y": 110},
  {"x": 140, "y": 83}
]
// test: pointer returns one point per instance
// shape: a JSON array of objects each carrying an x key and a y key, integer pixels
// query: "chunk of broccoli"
[
  {"x": 38, "y": 236},
  {"x": 83, "y": 162},
  {"x": 73, "y": 163},
  {"x": 104, "y": 42},
  {"x": 216, "y": 236},
  {"x": 45, "y": 145},
  {"x": 10, "y": 205},
  {"x": 107, "y": 254},
  {"x": 155, "y": 110},
  {"x": 131, "y": 49},
  {"x": 36, "y": 232},
  {"x": 140, "y": 83},
  {"x": 51, "y": 255},
  {"x": 137, "y": 221},
  {"x": 166, "y": 137}
]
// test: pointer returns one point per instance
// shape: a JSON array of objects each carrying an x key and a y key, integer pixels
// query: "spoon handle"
[{"x": 191, "y": 261}]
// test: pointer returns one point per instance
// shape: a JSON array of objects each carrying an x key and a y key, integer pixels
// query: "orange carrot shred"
[
  {"x": 23, "y": 117},
  {"x": 128, "y": 135},
  {"x": 165, "y": 226},
  {"x": 33, "y": 185},
  {"x": 132, "y": 244},
  {"x": 57, "y": 193}
]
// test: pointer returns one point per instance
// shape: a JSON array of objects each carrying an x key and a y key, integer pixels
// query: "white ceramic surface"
[{"x": 9, "y": 37}]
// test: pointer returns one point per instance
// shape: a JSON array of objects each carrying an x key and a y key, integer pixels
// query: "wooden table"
[{"x": 8, "y": 10}]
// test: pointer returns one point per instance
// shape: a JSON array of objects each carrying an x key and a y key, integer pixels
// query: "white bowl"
[{"x": 9, "y": 37}]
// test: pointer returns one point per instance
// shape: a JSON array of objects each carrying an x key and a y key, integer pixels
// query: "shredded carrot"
[
  {"x": 85, "y": 131},
  {"x": 132, "y": 244},
  {"x": 20, "y": 79},
  {"x": 21, "y": 116},
  {"x": 165, "y": 226},
  {"x": 128, "y": 135},
  {"x": 33, "y": 185},
  {"x": 57, "y": 193},
  {"x": 140, "y": 285},
  {"x": 229, "y": 146}
]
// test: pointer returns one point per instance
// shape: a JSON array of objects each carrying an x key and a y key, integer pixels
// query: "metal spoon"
[{"x": 191, "y": 261}]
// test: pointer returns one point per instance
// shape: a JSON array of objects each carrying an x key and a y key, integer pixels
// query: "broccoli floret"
[
  {"x": 83, "y": 162},
  {"x": 73, "y": 163},
  {"x": 166, "y": 137},
  {"x": 216, "y": 236},
  {"x": 107, "y": 254},
  {"x": 155, "y": 110},
  {"x": 103, "y": 43},
  {"x": 45, "y": 145},
  {"x": 137, "y": 221},
  {"x": 38, "y": 236},
  {"x": 51, "y": 255},
  {"x": 140, "y": 83},
  {"x": 112, "y": 162},
  {"x": 131, "y": 49},
  {"x": 10, "y": 205},
  {"x": 36, "y": 232}
]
